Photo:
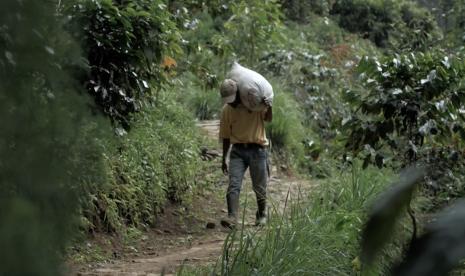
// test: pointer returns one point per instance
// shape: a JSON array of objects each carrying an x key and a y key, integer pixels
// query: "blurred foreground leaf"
[
  {"x": 440, "y": 249},
  {"x": 385, "y": 213}
]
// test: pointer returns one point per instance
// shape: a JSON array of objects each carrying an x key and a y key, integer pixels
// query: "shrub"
[
  {"x": 206, "y": 104},
  {"x": 253, "y": 28},
  {"x": 46, "y": 138},
  {"x": 301, "y": 10},
  {"x": 125, "y": 42},
  {"x": 286, "y": 132},
  {"x": 155, "y": 162},
  {"x": 411, "y": 112},
  {"x": 394, "y": 23},
  {"x": 372, "y": 19}
]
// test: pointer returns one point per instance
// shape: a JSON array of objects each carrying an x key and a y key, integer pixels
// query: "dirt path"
[{"x": 163, "y": 252}]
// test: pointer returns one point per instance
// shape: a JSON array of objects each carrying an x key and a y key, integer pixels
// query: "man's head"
[{"x": 228, "y": 90}]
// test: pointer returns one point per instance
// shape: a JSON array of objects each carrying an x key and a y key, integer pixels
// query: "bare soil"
[{"x": 189, "y": 237}]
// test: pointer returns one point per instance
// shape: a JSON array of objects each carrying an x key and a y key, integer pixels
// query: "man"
[{"x": 245, "y": 131}]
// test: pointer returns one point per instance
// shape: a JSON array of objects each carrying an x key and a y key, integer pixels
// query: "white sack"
[{"x": 252, "y": 86}]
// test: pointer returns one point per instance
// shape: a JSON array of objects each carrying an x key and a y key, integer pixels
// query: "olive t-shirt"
[{"x": 241, "y": 125}]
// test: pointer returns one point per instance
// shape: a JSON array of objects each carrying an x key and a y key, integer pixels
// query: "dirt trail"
[{"x": 205, "y": 246}]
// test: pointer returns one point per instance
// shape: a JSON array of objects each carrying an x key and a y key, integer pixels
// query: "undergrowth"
[
  {"x": 317, "y": 235},
  {"x": 158, "y": 160}
]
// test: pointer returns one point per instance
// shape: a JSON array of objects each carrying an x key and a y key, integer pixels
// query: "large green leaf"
[
  {"x": 385, "y": 213},
  {"x": 440, "y": 249}
]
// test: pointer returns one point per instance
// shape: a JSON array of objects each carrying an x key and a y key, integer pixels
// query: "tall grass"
[
  {"x": 318, "y": 235},
  {"x": 155, "y": 162},
  {"x": 286, "y": 131},
  {"x": 204, "y": 101}
]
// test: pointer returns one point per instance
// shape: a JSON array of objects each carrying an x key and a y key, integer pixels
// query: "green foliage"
[
  {"x": 286, "y": 131},
  {"x": 155, "y": 162},
  {"x": 420, "y": 30},
  {"x": 440, "y": 249},
  {"x": 413, "y": 103},
  {"x": 316, "y": 65},
  {"x": 46, "y": 136},
  {"x": 301, "y": 10},
  {"x": 449, "y": 15},
  {"x": 455, "y": 18},
  {"x": 387, "y": 22},
  {"x": 437, "y": 251},
  {"x": 125, "y": 42},
  {"x": 373, "y": 19},
  {"x": 254, "y": 27},
  {"x": 205, "y": 103},
  {"x": 386, "y": 210},
  {"x": 318, "y": 234}
]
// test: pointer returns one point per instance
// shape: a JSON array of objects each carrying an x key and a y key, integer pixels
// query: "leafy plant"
[
  {"x": 286, "y": 131},
  {"x": 413, "y": 102},
  {"x": 155, "y": 162},
  {"x": 318, "y": 233},
  {"x": 388, "y": 23},
  {"x": 301, "y": 10},
  {"x": 436, "y": 252},
  {"x": 47, "y": 138},
  {"x": 253, "y": 28},
  {"x": 125, "y": 42}
]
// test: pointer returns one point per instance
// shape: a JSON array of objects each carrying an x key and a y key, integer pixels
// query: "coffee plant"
[
  {"x": 125, "y": 43},
  {"x": 411, "y": 109}
]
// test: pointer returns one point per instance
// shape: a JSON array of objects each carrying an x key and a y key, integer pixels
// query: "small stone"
[{"x": 211, "y": 225}]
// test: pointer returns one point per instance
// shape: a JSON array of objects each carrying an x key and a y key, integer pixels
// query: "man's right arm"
[
  {"x": 226, "y": 145},
  {"x": 225, "y": 134}
]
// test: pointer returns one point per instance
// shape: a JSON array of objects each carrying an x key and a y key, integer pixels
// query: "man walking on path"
[{"x": 245, "y": 131}]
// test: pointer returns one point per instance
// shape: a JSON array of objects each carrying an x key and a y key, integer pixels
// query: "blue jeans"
[{"x": 245, "y": 156}]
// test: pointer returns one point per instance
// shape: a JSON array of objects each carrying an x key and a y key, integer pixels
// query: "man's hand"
[
  {"x": 268, "y": 102},
  {"x": 226, "y": 144},
  {"x": 224, "y": 167}
]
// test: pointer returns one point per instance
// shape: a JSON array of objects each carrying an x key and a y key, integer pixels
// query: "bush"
[
  {"x": 286, "y": 132},
  {"x": 46, "y": 138},
  {"x": 388, "y": 23},
  {"x": 206, "y": 104},
  {"x": 373, "y": 19},
  {"x": 157, "y": 161},
  {"x": 411, "y": 113},
  {"x": 254, "y": 28},
  {"x": 301, "y": 10},
  {"x": 125, "y": 43}
]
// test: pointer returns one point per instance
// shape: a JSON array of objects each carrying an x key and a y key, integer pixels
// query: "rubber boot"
[
  {"x": 233, "y": 207},
  {"x": 261, "y": 213}
]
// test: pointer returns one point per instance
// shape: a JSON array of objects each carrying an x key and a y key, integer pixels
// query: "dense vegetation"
[{"x": 99, "y": 100}]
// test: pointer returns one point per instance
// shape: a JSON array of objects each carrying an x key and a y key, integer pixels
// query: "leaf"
[
  {"x": 366, "y": 161},
  {"x": 395, "y": 91},
  {"x": 385, "y": 213},
  {"x": 446, "y": 62},
  {"x": 9, "y": 57},
  {"x": 168, "y": 62},
  {"x": 379, "y": 160},
  {"x": 440, "y": 249}
]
